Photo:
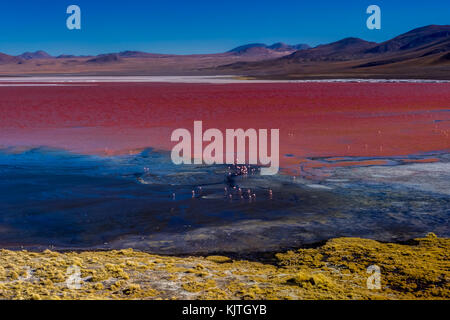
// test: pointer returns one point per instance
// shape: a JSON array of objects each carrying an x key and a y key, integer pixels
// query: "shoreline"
[
  {"x": 265, "y": 257},
  {"x": 336, "y": 269},
  {"x": 199, "y": 79}
]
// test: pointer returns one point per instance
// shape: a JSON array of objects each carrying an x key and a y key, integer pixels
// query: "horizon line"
[{"x": 210, "y": 53}]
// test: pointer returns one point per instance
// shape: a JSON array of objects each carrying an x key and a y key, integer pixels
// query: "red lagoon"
[{"x": 315, "y": 119}]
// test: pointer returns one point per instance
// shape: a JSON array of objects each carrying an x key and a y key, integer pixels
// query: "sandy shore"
[{"x": 336, "y": 270}]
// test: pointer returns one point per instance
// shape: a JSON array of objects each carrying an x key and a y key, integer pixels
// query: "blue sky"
[{"x": 185, "y": 27}]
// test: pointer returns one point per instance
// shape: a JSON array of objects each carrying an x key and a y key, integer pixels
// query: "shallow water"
[{"x": 53, "y": 198}]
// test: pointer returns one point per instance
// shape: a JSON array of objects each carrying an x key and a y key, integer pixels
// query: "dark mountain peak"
[
  {"x": 35, "y": 55},
  {"x": 141, "y": 54},
  {"x": 301, "y": 46},
  {"x": 132, "y": 54},
  {"x": 277, "y": 45},
  {"x": 344, "y": 49},
  {"x": 65, "y": 56},
  {"x": 248, "y": 46},
  {"x": 280, "y": 45},
  {"x": 350, "y": 40},
  {"x": 414, "y": 39},
  {"x": 429, "y": 29},
  {"x": 6, "y": 58},
  {"x": 349, "y": 43},
  {"x": 72, "y": 56},
  {"x": 105, "y": 58},
  {"x": 261, "y": 48}
]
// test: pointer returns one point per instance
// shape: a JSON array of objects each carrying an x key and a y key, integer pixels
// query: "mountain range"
[
  {"x": 420, "y": 53},
  {"x": 254, "y": 49},
  {"x": 35, "y": 55}
]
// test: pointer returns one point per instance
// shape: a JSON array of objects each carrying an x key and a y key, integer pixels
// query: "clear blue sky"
[{"x": 191, "y": 26}]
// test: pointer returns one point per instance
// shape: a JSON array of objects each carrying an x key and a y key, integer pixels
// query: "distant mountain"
[
  {"x": 105, "y": 58},
  {"x": 420, "y": 53},
  {"x": 7, "y": 59},
  {"x": 72, "y": 56},
  {"x": 251, "y": 50},
  {"x": 413, "y": 39},
  {"x": 280, "y": 46},
  {"x": 431, "y": 39},
  {"x": 261, "y": 48},
  {"x": 345, "y": 49},
  {"x": 246, "y": 47},
  {"x": 301, "y": 46},
  {"x": 140, "y": 54},
  {"x": 407, "y": 55},
  {"x": 35, "y": 55},
  {"x": 65, "y": 56}
]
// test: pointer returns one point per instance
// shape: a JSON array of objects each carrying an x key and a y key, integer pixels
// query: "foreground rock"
[{"x": 336, "y": 270}]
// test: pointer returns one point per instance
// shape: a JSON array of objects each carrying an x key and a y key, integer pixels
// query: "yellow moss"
[
  {"x": 218, "y": 259},
  {"x": 431, "y": 235},
  {"x": 50, "y": 253},
  {"x": 126, "y": 251},
  {"x": 173, "y": 269},
  {"x": 2, "y": 273},
  {"x": 192, "y": 285},
  {"x": 131, "y": 263},
  {"x": 132, "y": 289},
  {"x": 117, "y": 285},
  {"x": 336, "y": 270},
  {"x": 304, "y": 279},
  {"x": 13, "y": 275},
  {"x": 214, "y": 294},
  {"x": 197, "y": 272},
  {"x": 46, "y": 282},
  {"x": 116, "y": 271},
  {"x": 99, "y": 286}
]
